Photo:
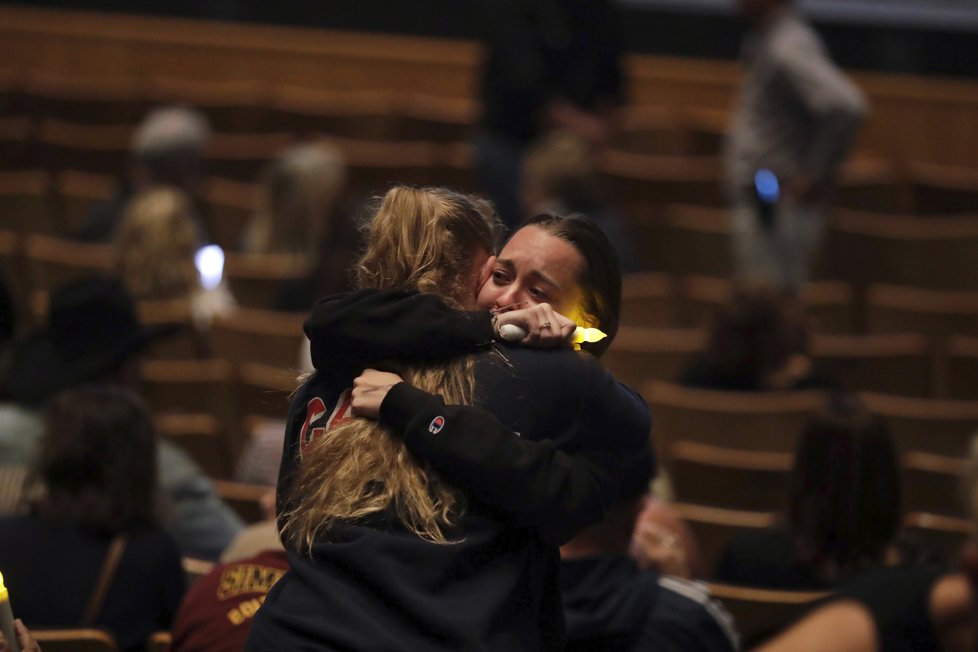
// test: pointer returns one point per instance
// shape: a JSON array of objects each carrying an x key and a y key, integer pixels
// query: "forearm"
[
  {"x": 536, "y": 484},
  {"x": 372, "y": 325}
]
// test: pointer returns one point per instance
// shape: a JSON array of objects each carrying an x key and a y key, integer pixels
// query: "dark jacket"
[{"x": 538, "y": 464}]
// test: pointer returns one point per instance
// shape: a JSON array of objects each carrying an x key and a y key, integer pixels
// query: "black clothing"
[
  {"x": 898, "y": 599},
  {"x": 51, "y": 571},
  {"x": 540, "y": 50},
  {"x": 763, "y": 558},
  {"x": 612, "y": 605},
  {"x": 538, "y": 465}
]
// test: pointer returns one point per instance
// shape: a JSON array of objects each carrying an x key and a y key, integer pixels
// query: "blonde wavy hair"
[
  {"x": 154, "y": 246},
  {"x": 297, "y": 199},
  {"x": 419, "y": 239}
]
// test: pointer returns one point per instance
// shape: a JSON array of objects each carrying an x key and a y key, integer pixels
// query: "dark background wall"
[{"x": 909, "y": 38}]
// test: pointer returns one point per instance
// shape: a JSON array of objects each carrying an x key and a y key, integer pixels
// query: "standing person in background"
[
  {"x": 550, "y": 64},
  {"x": 796, "y": 117}
]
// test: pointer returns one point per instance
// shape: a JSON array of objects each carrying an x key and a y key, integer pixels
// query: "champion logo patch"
[{"x": 436, "y": 425}]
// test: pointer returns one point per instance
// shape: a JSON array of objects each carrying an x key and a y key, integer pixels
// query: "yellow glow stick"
[{"x": 589, "y": 335}]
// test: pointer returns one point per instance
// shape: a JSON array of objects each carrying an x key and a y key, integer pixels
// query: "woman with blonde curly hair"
[
  {"x": 387, "y": 554},
  {"x": 154, "y": 253}
]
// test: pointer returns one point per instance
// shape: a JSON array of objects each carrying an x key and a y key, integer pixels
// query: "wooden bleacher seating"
[
  {"x": 85, "y": 100},
  {"x": 648, "y": 300},
  {"x": 231, "y": 105},
  {"x": 99, "y": 149},
  {"x": 873, "y": 186},
  {"x": 264, "y": 390},
  {"x": 658, "y": 181},
  {"x": 655, "y": 130},
  {"x": 641, "y": 354},
  {"x": 943, "y": 190},
  {"x": 696, "y": 240},
  {"x": 227, "y": 206},
  {"x": 936, "y": 313},
  {"x": 361, "y": 115},
  {"x": 706, "y": 130},
  {"x": 255, "y": 280},
  {"x": 263, "y": 336},
  {"x": 53, "y": 262},
  {"x": 74, "y": 640},
  {"x": 190, "y": 387},
  {"x": 933, "y": 484},
  {"x": 936, "y": 253},
  {"x": 941, "y": 427},
  {"x": 244, "y": 499},
  {"x": 16, "y": 139},
  {"x": 375, "y": 166},
  {"x": 758, "y": 612},
  {"x": 714, "y": 527},
  {"x": 454, "y": 167},
  {"x": 159, "y": 642},
  {"x": 716, "y": 476},
  {"x": 828, "y": 304},
  {"x": 75, "y": 194},
  {"x": 757, "y": 421},
  {"x": 243, "y": 157},
  {"x": 944, "y": 536},
  {"x": 186, "y": 344},
  {"x": 892, "y": 363},
  {"x": 24, "y": 201},
  {"x": 961, "y": 367},
  {"x": 205, "y": 438},
  {"x": 427, "y": 117}
]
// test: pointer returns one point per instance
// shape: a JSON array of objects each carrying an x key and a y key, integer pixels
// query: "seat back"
[
  {"x": 961, "y": 367},
  {"x": 696, "y": 240},
  {"x": 943, "y": 190},
  {"x": 227, "y": 207},
  {"x": 263, "y": 336},
  {"x": 203, "y": 437},
  {"x": 894, "y": 364},
  {"x": 714, "y": 527},
  {"x": 159, "y": 642},
  {"x": 54, "y": 262},
  {"x": 941, "y": 427},
  {"x": 647, "y": 300},
  {"x": 256, "y": 280},
  {"x": 933, "y": 483},
  {"x": 758, "y": 421},
  {"x": 74, "y": 640},
  {"x": 75, "y": 194},
  {"x": 25, "y": 201},
  {"x": 760, "y": 613},
  {"x": 941, "y": 536},
  {"x": 641, "y": 354},
  {"x": 730, "y": 478},
  {"x": 244, "y": 499}
]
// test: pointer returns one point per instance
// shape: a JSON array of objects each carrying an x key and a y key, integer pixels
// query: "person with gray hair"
[{"x": 165, "y": 150}]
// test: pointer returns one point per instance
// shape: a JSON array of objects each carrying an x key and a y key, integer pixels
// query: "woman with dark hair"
[
  {"x": 91, "y": 553},
  {"x": 843, "y": 508},
  {"x": 758, "y": 341}
]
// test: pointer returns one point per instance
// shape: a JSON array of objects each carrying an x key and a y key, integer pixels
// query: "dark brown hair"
[
  {"x": 97, "y": 462},
  {"x": 600, "y": 278},
  {"x": 844, "y": 493}
]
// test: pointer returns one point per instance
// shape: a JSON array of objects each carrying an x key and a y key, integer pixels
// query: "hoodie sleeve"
[{"x": 374, "y": 325}]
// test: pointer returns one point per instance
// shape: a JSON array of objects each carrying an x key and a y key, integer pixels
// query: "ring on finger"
[{"x": 545, "y": 324}]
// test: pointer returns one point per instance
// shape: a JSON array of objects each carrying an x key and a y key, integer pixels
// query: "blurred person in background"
[
  {"x": 559, "y": 177},
  {"x": 550, "y": 64},
  {"x": 843, "y": 512},
  {"x": 93, "y": 520},
  {"x": 795, "y": 119},
  {"x": 154, "y": 251},
  {"x": 758, "y": 341},
  {"x": 166, "y": 149},
  {"x": 613, "y": 603},
  {"x": 93, "y": 335}
]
